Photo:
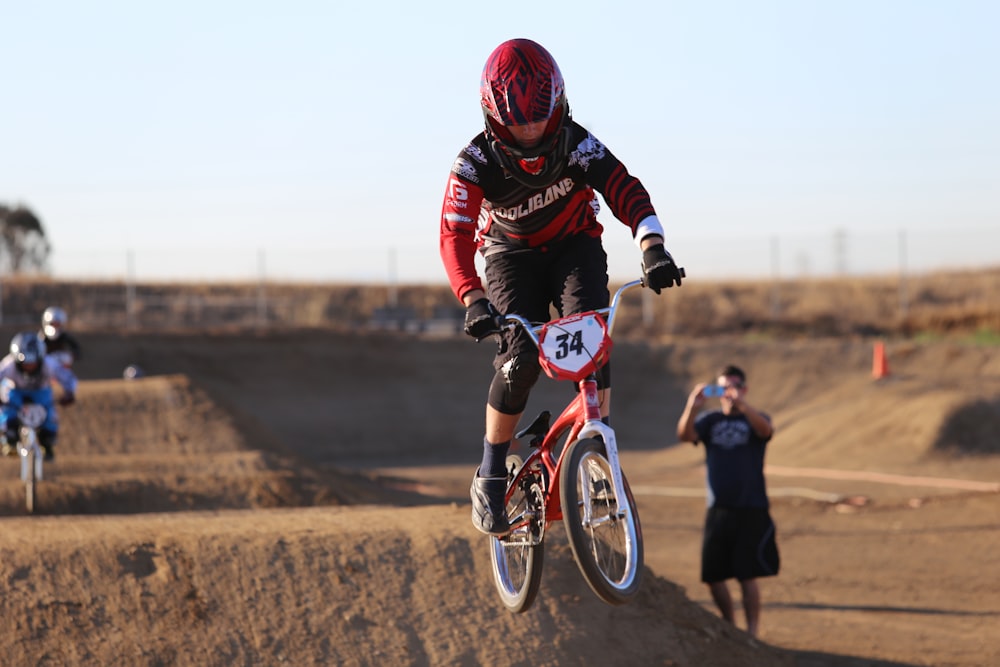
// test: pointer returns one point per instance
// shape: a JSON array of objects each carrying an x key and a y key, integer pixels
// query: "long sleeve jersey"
[
  {"x": 485, "y": 209},
  {"x": 50, "y": 370}
]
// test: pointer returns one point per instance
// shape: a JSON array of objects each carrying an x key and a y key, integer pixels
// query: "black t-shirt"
[
  {"x": 64, "y": 342},
  {"x": 734, "y": 455}
]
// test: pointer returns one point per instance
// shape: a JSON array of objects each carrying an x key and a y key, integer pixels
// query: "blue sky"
[{"x": 312, "y": 140}]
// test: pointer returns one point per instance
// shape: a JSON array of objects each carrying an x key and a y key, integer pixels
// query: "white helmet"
[{"x": 53, "y": 321}]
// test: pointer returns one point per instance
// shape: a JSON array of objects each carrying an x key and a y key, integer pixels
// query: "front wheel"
[
  {"x": 30, "y": 463},
  {"x": 606, "y": 540},
  {"x": 517, "y": 557}
]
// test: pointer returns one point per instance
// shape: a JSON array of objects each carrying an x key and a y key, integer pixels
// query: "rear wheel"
[
  {"x": 606, "y": 540},
  {"x": 517, "y": 557}
]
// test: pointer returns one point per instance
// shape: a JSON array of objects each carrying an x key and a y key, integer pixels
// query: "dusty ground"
[{"x": 301, "y": 499}]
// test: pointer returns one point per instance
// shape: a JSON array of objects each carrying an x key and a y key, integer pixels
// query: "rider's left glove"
[
  {"x": 481, "y": 319},
  {"x": 659, "y": 268}
]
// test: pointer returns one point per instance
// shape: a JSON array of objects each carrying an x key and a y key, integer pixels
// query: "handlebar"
[{"x": 513, "y": 321}]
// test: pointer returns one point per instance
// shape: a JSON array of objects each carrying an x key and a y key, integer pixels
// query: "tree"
[{"x": 23, "y": 245}]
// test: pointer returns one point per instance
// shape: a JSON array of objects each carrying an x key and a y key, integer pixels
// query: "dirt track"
[{"x": 200, "y": 515}]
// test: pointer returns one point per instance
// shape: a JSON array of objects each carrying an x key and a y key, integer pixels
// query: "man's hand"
[
  {"x": 659, "y": 268},
  {"x": 697, "y": 397},
  {"x": 67, "y": 399},
  {"x": 685, "y": 425},
  {"x": 481, "y": 319}
]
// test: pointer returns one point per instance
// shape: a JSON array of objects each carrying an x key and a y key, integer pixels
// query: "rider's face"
[{"x": 530, "y": 135}]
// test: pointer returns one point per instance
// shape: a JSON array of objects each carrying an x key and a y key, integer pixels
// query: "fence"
[
  {"x": 966, "y": 301},
  {"x": 812, "y": 254}
]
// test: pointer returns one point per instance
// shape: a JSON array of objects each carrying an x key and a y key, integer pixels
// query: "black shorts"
[
  {"x": 571, "y": 276},
  {"x": 738, "y": 544}
]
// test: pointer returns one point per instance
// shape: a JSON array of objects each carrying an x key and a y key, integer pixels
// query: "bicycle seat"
[{"x": 537, "y": 429}]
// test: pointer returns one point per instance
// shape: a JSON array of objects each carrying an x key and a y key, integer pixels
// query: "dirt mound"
[
  {"x": 972, "y": 428},
  {"x": 161, "y": 444},
  {"x": 269, "y": 481},
  {"x": 322, "y": 587}
]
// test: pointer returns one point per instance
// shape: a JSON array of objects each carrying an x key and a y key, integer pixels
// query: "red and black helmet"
[{"x": 521, "y": 84}]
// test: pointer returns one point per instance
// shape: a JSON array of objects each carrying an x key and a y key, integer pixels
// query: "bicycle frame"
[
  {"x": 580, "y": 419},
  {"x": 580, "y": 484}
]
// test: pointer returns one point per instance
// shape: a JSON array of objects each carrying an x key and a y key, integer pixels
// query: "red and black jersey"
[{"x": 486, "y": 209}]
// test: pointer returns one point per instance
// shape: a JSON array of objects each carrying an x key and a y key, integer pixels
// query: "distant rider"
[
  {"x": 59, "y": 342},
  {"x": 26, "y": 376}
]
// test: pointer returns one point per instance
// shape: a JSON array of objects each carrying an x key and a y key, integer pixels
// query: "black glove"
[
  {"x": 659, "y": 269},
  {"x": 481, "y": 319},
  {"x": 67, "y": 399}
]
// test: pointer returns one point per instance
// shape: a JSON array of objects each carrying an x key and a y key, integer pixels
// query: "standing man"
[
  {"x": 739, "y": 541},
  {"x": 523, "y": 193}
]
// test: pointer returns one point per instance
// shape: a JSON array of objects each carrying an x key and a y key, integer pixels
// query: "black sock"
[
  {"x": 494, "y": 459},
  {"x": 606, "y": 420}
]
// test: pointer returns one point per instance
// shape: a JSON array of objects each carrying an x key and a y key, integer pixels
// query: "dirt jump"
[{"x": 302, "y": 499}]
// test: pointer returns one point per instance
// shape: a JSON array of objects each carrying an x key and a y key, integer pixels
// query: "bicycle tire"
[
  {"x": 607, "y": 545},
  {"x": 517, "y": 557}
]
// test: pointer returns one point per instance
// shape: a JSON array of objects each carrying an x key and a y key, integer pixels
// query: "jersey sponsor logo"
[
  {"x": 458, "y": 194},
  {"x": 587, "y": 151},
  {"x": 465, "y": 169},
  {"x": 457, "y": 217},
  {"x": 476, "y": 153},
  {"x": 553, "y": 193}
]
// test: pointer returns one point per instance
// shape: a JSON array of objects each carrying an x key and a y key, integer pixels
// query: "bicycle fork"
[
  {"x": 594, "y": 427},
  {"x": 607, "y": 434},
  {"x": 28, "y": 444}
]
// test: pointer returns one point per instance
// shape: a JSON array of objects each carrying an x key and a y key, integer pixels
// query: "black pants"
[{"x": 570, "y": 276}]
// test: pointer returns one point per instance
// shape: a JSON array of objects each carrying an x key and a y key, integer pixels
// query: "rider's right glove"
[
  {"x": 481, "y": 319},
  {"x": 659, "y": 268}
]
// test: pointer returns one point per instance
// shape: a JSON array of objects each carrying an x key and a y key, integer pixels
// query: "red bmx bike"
[{"x": 580, "y": 482}]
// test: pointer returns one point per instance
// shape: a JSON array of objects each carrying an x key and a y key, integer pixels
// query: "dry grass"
[{"x": 963, "y": 304}]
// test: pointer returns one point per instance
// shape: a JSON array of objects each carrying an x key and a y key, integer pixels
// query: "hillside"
[{"x": 957, "y": 303}]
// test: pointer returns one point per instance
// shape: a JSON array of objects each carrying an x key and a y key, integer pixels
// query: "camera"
[{"x": 713, "y": 390}]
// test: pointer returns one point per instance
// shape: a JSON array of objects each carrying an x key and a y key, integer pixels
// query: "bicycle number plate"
[
  {"x": 32, "y": 415},
  {"x": 571, "y": 348}
]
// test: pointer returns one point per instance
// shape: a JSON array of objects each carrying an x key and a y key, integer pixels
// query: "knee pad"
[{"x": 512, "y": 383}]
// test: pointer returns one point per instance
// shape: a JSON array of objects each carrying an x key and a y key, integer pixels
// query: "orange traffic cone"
[{"x": 880, "y": 365}]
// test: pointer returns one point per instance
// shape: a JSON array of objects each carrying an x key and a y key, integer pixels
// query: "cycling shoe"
[{"x": 489, "y": 506}]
